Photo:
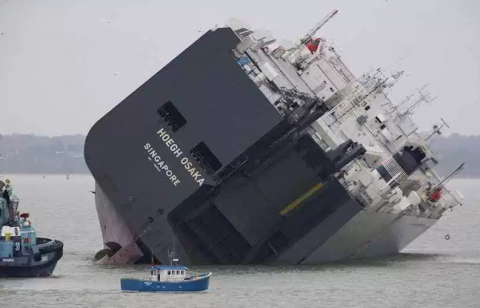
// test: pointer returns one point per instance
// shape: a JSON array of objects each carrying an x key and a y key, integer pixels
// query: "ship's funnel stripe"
[{"x": 300, "y": 199}]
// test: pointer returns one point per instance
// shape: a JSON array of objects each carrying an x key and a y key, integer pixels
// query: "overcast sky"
[{"x": 65, "y": 63}]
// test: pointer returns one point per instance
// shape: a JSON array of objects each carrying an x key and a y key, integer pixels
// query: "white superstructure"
[{"x": 394, "y": 180}]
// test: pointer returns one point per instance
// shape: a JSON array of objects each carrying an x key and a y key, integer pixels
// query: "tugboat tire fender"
[
  {"x": 37, "y": 256},
  {"x": 54, "y": 246}
]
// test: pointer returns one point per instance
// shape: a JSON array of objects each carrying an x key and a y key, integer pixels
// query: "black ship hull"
[
  {"x": 199, "y": 156},
  {"x": 367, "y": 234}
]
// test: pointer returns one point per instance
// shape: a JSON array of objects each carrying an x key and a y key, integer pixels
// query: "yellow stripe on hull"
[{"x": 300, "y": 199}]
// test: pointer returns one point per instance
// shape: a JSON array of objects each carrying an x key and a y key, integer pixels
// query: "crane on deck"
[{"x": 309, "y": 36}]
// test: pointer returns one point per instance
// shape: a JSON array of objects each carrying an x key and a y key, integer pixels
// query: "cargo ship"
[{"x": 245, "y": 151}]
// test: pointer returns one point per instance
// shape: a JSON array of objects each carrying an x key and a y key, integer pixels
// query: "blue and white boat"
[{"x": 167, "y": 278}]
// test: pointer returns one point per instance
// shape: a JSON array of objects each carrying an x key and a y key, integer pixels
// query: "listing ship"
[{"x": 244, "y": 151}]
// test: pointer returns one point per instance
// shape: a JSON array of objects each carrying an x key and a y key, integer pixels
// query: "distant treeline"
[
  {"x": 39, "y": 154},
  {"x": 64, "y": 154},
  {"x": 458, "y": 149}
]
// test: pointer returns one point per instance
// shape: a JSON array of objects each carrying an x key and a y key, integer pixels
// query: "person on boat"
[
  {"x": 4, "y": 210},
  {"x": 3, "y": 206},
  {"x": 8, "y": 187},
  {"x": 7, "y": 192}
]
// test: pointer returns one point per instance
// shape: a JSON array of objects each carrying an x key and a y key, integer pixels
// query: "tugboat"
[
  {"x": 172, "y": 278},
  {"x": 22, "y": 253}
]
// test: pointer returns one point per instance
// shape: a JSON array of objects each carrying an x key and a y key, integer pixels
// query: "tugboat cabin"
[{"x": 168, "y": 273}]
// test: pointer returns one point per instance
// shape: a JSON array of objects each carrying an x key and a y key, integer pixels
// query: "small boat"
[{"x": 167, "y": 278}]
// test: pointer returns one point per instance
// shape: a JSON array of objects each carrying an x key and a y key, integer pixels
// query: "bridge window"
[{"x": 172, "y": 116}]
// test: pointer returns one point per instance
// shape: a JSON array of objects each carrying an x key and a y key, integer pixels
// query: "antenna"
[
  {"x": 437, "y": 129},
  {"x": 422, "y": 98},
  {"x": 408, "y": 97},
  {"x": 382, "y": 82},
  {"x": 171, "y": 254},
  {"x": 406, "y": 100}
]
